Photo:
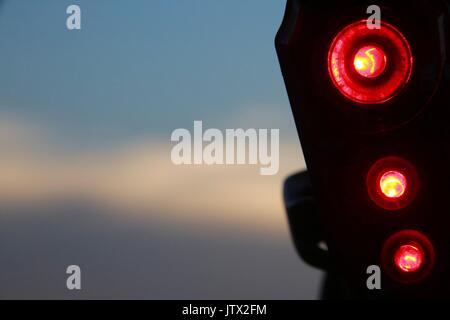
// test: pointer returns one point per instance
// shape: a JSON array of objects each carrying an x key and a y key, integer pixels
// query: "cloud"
[
  {"x": 139, "y": 226},
  {"x": 140, "y": 177}
]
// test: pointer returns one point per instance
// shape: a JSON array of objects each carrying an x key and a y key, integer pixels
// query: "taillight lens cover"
[
  {"x": 370, "y": 66},
  {"x": 392, "y": 183},
  {"x": 408, "y": 256}
]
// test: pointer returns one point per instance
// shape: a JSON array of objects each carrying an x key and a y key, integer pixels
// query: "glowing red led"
[
  {"x": 409, "y": 258},
  {"x": 370, "y": 66},
  {"x": 393, "y": 184},
  {"x": 370, "y": 61}
]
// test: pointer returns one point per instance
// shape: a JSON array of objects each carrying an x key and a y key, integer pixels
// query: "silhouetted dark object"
[
  {"x": 307, "y": 233},
  {"x": 304, "y": 221},
  {"x": 376, "y": 141}
]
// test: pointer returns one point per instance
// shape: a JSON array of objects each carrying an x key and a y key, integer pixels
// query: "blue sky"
[{"x": 140, "y": 68}]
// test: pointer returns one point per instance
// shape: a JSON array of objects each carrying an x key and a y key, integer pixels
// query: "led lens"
[
  {"x": 393, "y": 184},
  {"x": 370, "y": 61},
  {"x": 409, "y": 258},
  {"x": 370, "y": 66}
]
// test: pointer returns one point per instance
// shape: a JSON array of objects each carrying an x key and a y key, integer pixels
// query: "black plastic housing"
[{"x": 342, "y": 139}]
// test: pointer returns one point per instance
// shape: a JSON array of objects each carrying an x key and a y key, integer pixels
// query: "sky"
[
  {"x": 85, "y": 172},
  {"x": 140, "y": 67}
]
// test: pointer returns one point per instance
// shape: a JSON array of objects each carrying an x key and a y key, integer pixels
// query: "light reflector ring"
[
  {"x": 408, "y": 256},
  {"x": 380, "y": 86},
  {"x": 392, "y": 183}
]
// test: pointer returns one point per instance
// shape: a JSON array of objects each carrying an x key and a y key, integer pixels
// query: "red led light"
[
  {"x": 370, "y": 66},
  {"x": 393, "y": 184},
  {"x": 370, "y": 61},
  {"x": 409, "y": 257}
]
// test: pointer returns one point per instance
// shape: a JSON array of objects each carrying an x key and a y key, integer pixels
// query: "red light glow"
[
  {"x": 409, "y": 258},
  {"x": 370, "y": 61},
  {"x": 370, "y": 66},
  {"x": 393, "y": 184}
]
